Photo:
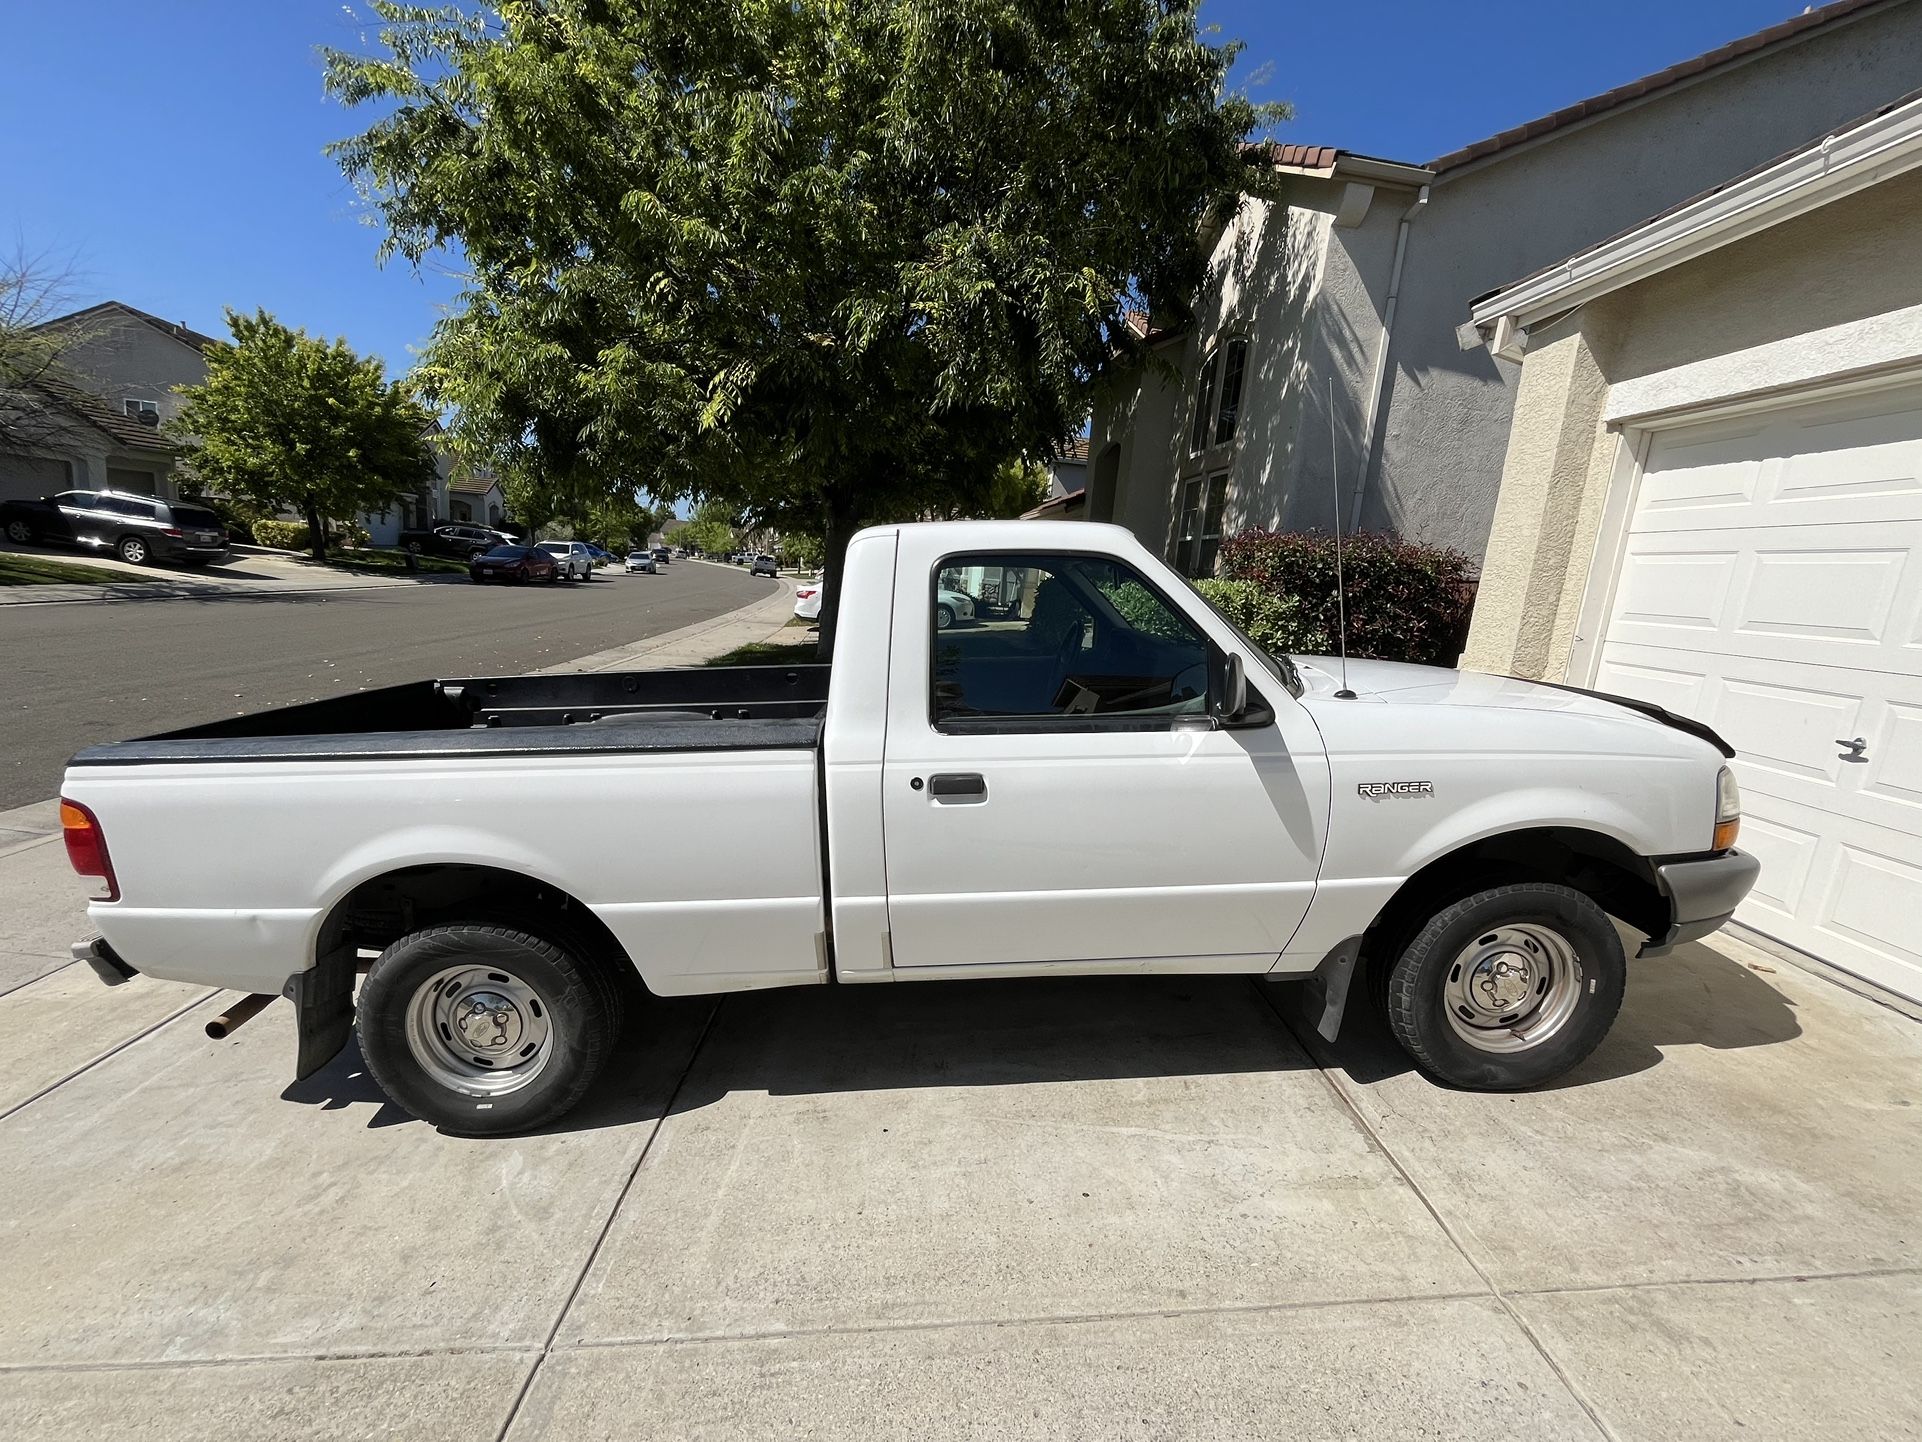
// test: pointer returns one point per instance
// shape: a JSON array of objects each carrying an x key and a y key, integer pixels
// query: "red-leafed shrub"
[{"x": 1406, "y": 601}]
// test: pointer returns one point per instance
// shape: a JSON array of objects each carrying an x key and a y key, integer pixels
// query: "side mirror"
[{"x": 1234, "y": 690}]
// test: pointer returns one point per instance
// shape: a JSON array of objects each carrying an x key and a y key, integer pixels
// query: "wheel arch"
[{"x": 1598, "y": 865}]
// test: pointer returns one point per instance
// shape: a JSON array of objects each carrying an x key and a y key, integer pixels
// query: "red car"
[{"x": 514, "y": 563}]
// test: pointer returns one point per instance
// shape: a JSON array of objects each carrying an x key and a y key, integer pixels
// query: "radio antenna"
[{"x": 1341, "y": 585}]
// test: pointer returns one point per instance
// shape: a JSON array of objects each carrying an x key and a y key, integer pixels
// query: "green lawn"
[
  {"x": 769, "y": 653},
  {"x": 17, "y": 570},
  {"x": 390, "y": 563}
]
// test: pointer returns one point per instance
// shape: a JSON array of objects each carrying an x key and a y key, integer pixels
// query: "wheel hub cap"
[
  {"x": 1513, "y": 987},
  {"x": 478, "y": 1029}
]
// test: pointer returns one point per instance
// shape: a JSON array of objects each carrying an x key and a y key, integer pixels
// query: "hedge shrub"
[
  {"x": 1273, "y": 622},
  {"x": 1406, "y": 601},
  {"x": 292, "y": 535}
]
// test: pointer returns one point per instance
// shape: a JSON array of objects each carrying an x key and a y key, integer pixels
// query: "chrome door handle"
[{"x": 1855, "y": 748}]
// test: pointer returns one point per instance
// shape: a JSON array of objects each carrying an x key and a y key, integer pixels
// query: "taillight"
[
  {"x": 87, "y": 847},
  {"x": 175, "y": 532}
]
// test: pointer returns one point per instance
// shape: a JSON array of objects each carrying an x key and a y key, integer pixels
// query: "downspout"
[{"x": 1378, "y": 383}]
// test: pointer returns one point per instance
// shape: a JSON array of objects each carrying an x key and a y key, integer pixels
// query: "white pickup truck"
[{"x": 1095, "y": 774}]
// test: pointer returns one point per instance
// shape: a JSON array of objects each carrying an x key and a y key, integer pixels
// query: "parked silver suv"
[{"x": 572, "y": 558}]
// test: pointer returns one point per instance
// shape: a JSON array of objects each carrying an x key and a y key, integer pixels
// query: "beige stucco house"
[
  {"x": 1712, "y": 499},
  {"x": 1324, "y": 377}
]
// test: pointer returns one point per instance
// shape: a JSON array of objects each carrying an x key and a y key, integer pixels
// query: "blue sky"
[{"x": 170, "y": 150}]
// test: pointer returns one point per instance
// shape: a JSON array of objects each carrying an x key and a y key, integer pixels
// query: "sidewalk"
[
  {"x": 700, "y": 643},
  {"x": 248, "y": 573}
]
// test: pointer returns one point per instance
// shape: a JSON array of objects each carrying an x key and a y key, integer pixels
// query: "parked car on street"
[
  {"x": 602, "y": 556},
  {"x": 662, "y": 556},
  {"x": 1461, "y": 839},
  {"x": 952, "y": 606},
  {"x": 514, "y": 563},
  {"x": 456, "y": 539},
  {"x": 138, "y": 529},
  {"x": 807, "y": 600},
  {"x": 572, "y": 558},
  {"x": 642, "y": 562},
  {"x": 764, "y": 565}
]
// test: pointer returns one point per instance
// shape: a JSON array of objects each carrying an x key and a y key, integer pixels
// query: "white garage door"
[{"x": 1772, "y": 586}]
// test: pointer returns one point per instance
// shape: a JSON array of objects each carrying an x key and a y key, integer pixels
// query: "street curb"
[
  {"x": 696, "y": 643},
  {"x": 205, "y": 593}
]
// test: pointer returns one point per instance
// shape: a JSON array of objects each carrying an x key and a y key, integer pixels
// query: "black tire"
[
  {"x": 19, "y": 532},
  {"x": 577, "y": 1000},
  {"x": 134, "y": 550},
  {"x": 413, "y": 548},
  {"x": 1505, "y": 923}
]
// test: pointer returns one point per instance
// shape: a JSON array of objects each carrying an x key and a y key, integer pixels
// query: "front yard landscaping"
[{"x": 19, "y": 570}]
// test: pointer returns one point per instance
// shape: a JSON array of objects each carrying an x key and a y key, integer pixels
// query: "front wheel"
[
  {"x": 943, "y": 617},
  {"x": 19, "y": 532},
  {"x": 484, "y": 1030},
  {"x": 1507, "y": 988}
]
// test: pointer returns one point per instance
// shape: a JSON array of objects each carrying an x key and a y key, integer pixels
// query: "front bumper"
[
  {"x": 1702, "y": 895},
  {"x": 106, "y": 963}
]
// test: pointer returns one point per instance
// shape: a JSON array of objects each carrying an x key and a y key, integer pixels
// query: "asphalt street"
[{"x": 72, "y": 675}]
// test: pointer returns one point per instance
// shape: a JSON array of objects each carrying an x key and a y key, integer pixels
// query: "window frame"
[
  {"x": 1234, "y": 359},
  {"x": 134, "y": 406},
  {"x": 1054, "y": 723},
  {"x": 1202, "y": 425}
]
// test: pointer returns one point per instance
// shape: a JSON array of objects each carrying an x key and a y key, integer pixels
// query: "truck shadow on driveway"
[{"x": 904, "y": 1036}]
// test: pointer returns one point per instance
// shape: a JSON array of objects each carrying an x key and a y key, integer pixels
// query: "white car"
[
  {"x": 641, "y": 563},
  {"x": 807, "y": 600},
  {"x": 952, "y": 606},
  {"x": 572, "y": 558},
  {"x": 1180, "y": 802}
]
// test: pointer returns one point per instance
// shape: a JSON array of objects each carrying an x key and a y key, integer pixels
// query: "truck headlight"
[{"x": 1728, "y": 810}]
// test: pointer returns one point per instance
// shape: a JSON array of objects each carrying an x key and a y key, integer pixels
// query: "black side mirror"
[{"x": 1234, "y": 690}]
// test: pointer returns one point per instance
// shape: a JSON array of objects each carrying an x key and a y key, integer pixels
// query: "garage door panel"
[
  {"x": 1771, "y": 585},
  {"x": 1832, "y": 595}
]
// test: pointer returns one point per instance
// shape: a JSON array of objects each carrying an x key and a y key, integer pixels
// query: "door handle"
[
  {"x": 958, "y": 783},
  {"x": 1855, "y": 748}
]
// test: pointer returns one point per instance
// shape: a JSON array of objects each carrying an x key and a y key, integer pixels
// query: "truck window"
[{"x": 1060, "y": 638}]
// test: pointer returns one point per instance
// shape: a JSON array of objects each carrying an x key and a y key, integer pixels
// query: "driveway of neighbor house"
[{"x": 1124, "y": 1208}]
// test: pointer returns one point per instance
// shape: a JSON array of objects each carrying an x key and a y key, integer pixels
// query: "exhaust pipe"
[{"x": 238, "y": 1015}]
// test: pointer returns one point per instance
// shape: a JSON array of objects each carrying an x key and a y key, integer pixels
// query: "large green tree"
[
  {"x": 286, "y": 420},
  {"x": 822, "y": 261}
]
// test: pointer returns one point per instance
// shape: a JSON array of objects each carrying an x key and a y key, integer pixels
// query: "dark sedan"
[{"x": 514, "y": 563}]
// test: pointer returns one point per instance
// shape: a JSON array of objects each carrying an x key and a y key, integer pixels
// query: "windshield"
[{"x": 1278, "y": 665}]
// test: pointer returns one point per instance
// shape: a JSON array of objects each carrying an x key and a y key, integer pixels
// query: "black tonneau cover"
[{"x": 735, "y": 708}]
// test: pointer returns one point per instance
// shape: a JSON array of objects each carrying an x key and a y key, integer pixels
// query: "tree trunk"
[
  {"x": 316, "y": 530},
  {"x": 839, "y": 531}
]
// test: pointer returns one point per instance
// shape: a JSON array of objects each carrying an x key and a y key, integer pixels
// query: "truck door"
[{"x": 1055, "y": 789}]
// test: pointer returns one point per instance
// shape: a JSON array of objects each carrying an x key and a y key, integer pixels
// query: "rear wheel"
[
  {"x": 134, "y": 550},
  {"x": 1507, "y": 988},
  {"x": 484, "y": 1030},
  {"x": 413, "y": 547},
  {"x": 19, "y": 532}
]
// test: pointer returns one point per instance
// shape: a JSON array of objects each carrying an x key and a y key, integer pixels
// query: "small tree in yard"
[{"x": 288, "y": 420}]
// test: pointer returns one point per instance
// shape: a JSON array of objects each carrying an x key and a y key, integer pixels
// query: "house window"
[
  {"x": 1198, "y": 537},
  {"x": 1231, "y": 375},
  {"x": 148, "y": 411},
  {"x": 1204, "y": 406}
]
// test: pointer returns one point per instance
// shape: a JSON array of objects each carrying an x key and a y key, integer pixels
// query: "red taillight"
[
  {"x": 175, "y": 532},
  {"x": 804, "y": 593},
  {"x": 87, "y": 846}
]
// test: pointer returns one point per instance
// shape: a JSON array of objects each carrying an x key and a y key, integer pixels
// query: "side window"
[
  {"x": 1065, "y": 639},
  {"x": 1234, "y": 363},
  {"x": 126, "y": 506},
  {"x": 1204, "y": 406},
  {"x": 76, "y": 500},
  {"x": 1198, "y": 534}
]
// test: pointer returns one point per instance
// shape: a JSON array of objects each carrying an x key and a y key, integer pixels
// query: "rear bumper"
[
  {"x": 1702, "y": 895},
  {"x": 104, "y": 960}
]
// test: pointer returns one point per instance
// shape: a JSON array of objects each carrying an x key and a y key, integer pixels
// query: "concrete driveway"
[{"x": 1133, "y": 1208}]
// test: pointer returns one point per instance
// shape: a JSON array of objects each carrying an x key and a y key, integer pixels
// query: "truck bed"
[{"x": 731, "y": 708}]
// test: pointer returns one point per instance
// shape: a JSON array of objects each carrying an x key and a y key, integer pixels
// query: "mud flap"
[
  {"x": 323, "y": 1001},
  {"x": 1318, "y": 999}
]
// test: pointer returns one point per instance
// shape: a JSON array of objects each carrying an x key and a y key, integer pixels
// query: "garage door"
[
  {"x": 26, "y": 478},
  {"x": 1772, "y": 586}
]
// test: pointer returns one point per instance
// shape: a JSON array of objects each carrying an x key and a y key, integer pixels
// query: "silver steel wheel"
[
  {"x": 133, "y": 551},
  {"x": 479, "y": 1030},
  {"x": 1513, "y": 987}
]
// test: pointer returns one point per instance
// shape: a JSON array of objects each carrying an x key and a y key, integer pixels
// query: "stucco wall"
[
  {"x": 1830, "y": 295},
  {"x": 120, "y": 357},
  {"x": 1492, "y": 223}
]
